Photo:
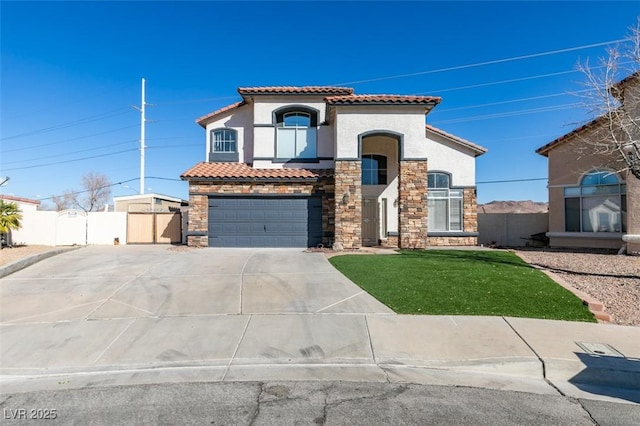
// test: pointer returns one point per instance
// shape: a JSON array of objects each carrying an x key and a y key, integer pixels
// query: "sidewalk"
[{"x": 585, "y": 360}]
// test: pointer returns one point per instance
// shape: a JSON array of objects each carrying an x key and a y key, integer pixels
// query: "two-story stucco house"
[
  {"x": 302, "y": 166},
  {"x": 594, "y": 200}
]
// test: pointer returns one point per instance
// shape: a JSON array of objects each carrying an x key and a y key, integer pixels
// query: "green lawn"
[{"x": 460, "y": 282}]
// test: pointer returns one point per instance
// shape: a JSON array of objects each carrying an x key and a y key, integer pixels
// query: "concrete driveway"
[
  {"x": 153, "y": 314},
  {"x": 105, "y": 282}
]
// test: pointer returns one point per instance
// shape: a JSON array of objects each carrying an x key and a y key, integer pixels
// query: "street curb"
[
  {"x": 28, "y": 261},
  {"x": 595, "y": 306}
]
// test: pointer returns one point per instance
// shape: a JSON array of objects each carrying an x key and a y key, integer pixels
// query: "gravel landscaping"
[
  {"x": 11, "y": 254},
  {"x": 612, "y": 279}
]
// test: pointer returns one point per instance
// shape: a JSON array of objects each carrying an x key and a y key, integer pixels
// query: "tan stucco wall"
[
  {"x": 567, "y": 164},
  {"x": 633, "y": 211}
]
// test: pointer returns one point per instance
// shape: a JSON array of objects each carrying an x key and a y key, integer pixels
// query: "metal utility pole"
[{"x": 142, "y": 140}]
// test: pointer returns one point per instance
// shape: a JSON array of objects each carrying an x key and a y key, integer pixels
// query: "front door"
[{"x": 370, "y": 221}]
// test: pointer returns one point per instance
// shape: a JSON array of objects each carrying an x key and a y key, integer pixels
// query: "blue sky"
[{"x": 71, "y": 73}]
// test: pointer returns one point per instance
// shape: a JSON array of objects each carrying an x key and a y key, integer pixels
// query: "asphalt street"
[{"x": 309, "y": 403}]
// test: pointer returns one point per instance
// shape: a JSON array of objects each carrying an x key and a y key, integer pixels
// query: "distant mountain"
[{"x": 527, "y": 206}]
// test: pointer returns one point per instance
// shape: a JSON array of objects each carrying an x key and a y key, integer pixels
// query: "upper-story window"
[
  {"x": 224, "y": 145},
  {"x": 374, "y": 169},
  {"x": 444, "y": 203},
  {"x": 224, "y": 140},
  {"x": 599, "y": 204},
  {"x": 296, "y": 134}
]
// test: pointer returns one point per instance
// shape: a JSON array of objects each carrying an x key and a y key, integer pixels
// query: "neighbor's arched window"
[
  {"x": 444, "y": 203},
  {"x": 598, "y": 204}
]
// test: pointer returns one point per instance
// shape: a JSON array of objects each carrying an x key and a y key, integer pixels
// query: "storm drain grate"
[{"x": 601, "y": 349}]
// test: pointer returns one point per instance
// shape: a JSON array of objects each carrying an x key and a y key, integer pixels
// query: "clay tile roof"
[
  {"x": 202, "y": 120},
  {"x": 20, "y": 199},
  {"x": 477, "y": 148},
  {"x": 241, "y": 171},
  {"x": 293, "y": 90},
  {"x": 544, "y": 150},
  {"x": 383, "y": 99}
]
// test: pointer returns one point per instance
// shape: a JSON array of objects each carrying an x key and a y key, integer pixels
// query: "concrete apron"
[{"x": 130, "y": 335}]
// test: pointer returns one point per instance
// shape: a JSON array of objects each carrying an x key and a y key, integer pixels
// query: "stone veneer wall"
[
  {"x": 199, "y": 202},
  {"x": 469, "y": 220},
  {"x": 391, "y": 241},
  {"x": 348, "y": 203},
  {"x": 412, "y": 204}
]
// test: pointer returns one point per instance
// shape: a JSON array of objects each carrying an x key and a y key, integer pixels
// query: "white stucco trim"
[{"x": 593, "y": 235}]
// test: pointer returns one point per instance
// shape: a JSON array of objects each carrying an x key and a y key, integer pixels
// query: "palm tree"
[{"x": 10, "y": 218}]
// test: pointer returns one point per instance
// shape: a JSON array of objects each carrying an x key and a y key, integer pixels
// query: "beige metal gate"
[{"x": 154, "y": 228}]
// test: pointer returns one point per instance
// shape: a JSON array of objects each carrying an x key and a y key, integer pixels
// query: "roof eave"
[
  {"x": 477, "y": 149},
  {"x": 544, "y": 150},
  {"x": 248, "y": 179},
  {"x": 205, "y": 119}
]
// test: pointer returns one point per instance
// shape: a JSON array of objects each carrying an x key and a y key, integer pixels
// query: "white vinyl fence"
[{"x": 70, "y": 227}]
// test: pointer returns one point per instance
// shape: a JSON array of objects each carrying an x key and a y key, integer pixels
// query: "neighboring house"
[
  {"x": 303, "y": 166},
  {"x": 592, "y": 203},
  {"x": 24, "y": 204},
  {"x": 148, "y": 203}
]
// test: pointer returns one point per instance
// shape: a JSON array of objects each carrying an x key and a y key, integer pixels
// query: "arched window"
[
  {"x": 444, "y": 203},
  {"x": 374, "y": 169},
  {"x": 599, "y": 204},
  {"x": 223, "y": 140},
  {"x": 296, "y": 133},
  {"x": 223, "y": 145},
  {"x": 296, "y": 119}
]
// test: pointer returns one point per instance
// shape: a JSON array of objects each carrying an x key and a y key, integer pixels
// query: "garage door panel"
[
  {"x": 264, "y": 221},
  {"x": 294, "y": 229},
  {"x": 235, "y": 228}
]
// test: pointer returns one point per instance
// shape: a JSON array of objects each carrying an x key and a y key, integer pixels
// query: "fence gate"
[
  {"x": 71, "y": 228},
  {"x": 154, "y": 228}
]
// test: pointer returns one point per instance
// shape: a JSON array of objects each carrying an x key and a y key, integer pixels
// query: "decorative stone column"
[
  {"x": 348, "y": 203},
  {"x": 412, "y": 204},
  {"x": 470, "y": 215},
  {"x": 198, "y": 221}
]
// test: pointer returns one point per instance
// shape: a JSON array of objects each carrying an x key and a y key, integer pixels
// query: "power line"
[
  {"x": 72, "y": 102},
  {"x": 174, "y": 146},
  {"x": 512, "y": 80},
  {"x": 493, "y": 83},
  {"x": 193, "y": 101},
  {"x": 480, "y": 64},
  {"x": 70, "y": 153},
  {"x": 510, "y": 101},
  {"x": 111, "y": 185},
  {"x": 510, "y": 114},
  {"x": 164, "y": 178},
  {"x": 73, "y": 123},
  {"x": 67, "y": 140},
  {"x": 70, "y": 161},
  {"x": 88, "y": 190}
]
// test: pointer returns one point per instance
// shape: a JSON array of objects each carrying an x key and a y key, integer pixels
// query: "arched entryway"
[{"x": 380, "y": 153}]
